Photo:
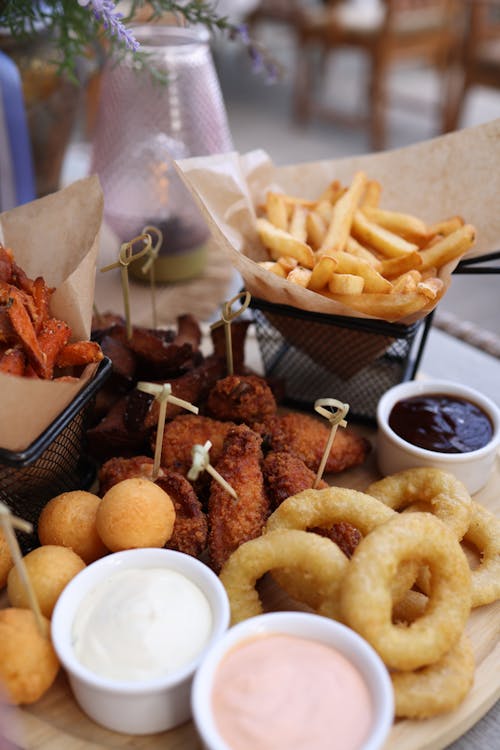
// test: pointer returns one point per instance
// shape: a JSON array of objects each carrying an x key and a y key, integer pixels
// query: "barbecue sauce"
[{"x": 441, "y": 423}]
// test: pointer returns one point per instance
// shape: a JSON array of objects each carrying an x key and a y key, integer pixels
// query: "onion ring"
[
  {"x": 445, "y": 495},
  {"x": 320, "y": 559},
  {"x": 366, "y": 599},
  {"x": 484, "y": 534},
  {"x": 437, "y": 688},
  {"x": 321, "y": 508}
]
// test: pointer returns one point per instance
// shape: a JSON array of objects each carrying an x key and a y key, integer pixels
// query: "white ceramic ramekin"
[
  {"x": 305, "y": 625},
  {"x": 147, "y": 706},
  {"x": 395, "y": 454}
]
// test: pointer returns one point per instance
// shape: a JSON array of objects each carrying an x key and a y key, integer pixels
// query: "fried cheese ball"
[
  {"x": 49, "y": 569},
  {"x": 69, "y": 520},
  {"x": 135, "y": 513},
  {"x": 6, "y": 561},
  {"x": 28, "y": 662}
]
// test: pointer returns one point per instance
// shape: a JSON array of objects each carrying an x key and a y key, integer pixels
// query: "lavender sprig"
[{"x": 105, "y": 12}]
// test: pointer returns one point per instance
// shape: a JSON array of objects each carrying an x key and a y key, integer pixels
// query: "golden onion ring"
[
  {"x": 366, "y": 598},
  {"x": 446, "y": 497},
  {"x": 322, "y": 508},
  {"x": 318, "y": 557}
]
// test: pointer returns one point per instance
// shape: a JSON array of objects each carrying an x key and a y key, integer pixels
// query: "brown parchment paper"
[
  {"x": 56, "y": 237},
  {"x": 453, "y": 174}
]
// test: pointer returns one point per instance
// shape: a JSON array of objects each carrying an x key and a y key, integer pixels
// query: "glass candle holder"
[{"x": 142, "y": 126}]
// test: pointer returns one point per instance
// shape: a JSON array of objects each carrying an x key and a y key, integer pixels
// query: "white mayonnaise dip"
[{"x": 141, "y": 624}]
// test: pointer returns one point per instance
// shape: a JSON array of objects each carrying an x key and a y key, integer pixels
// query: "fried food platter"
[{"x": 57, "y": 722}]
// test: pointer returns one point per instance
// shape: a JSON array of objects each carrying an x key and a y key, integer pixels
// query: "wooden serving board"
[{"x": 56, "y": 722}]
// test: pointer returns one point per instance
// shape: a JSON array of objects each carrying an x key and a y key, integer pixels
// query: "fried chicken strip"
[
  {"x": 232, "y": 522},
  {"x": 187, "y": 430},
  {"x": 306, "y": 437},
  {"x": 190, "y": 527},
  {"x": 241, "y": 398},
  {"x": 286, "y": 475}
]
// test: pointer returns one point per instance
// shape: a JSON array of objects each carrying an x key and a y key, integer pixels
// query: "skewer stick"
[
  {"x": 163, "y": 394},
  {"x": 149, "y": 266},
  {"x": 227, "y": 318},
  {"x": 125, "y": 257},
  {"x": 336, "y": 419},
  {"x": 201, "y": 462},
  {"x": 9, "y": 523}
]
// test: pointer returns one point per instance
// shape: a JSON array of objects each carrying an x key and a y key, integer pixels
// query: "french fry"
[
  {"x": 372, "y": 194},
  {"x": 406, "y": 225},
  {"x": 446, "y": 227},
  {"x": 277, "y": 210},
  {"x": 386, "y": 242},
  {"x": 343, "y": 212},
  {"x": 331, "y": 193},
  {"x": 379, "y": 262},
  {"x": 450, "y": 247},
  {"x": 297, "y": 225},
  {"x": 346, "y": 284},
  {"x": 393, "y": 267},
  {"x": 274, "y": 267},
  {"x": 356, "y": 248},
  {"x": 390, "y": 307},
  {"x": 300, "y": 276},
  {"x": 432, "y": 287},
  {"x": 407, "y": 282},
  {"x": 316, "y": 229},
  {"x": 287, "y": 263},
  {"x": 322, "y": 273},
  {"x": 324, "y": 209},
  {"x": 374, "y": 281},
  {"x": 281, "y": 243}
]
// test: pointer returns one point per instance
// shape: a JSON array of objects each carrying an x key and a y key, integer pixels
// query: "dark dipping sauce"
[{"x": 441, "y": 423}]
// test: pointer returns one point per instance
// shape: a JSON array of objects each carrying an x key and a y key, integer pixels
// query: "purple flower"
[{"x": 105, "y": 12}]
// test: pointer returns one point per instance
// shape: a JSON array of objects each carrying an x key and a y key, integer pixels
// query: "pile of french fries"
[{"x": 377, "y": 262}]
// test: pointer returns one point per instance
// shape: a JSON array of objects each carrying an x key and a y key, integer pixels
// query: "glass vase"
[{"x": 142, "y": 125}]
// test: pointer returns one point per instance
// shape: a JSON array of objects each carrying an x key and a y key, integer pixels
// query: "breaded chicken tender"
[
  {"x": 306, "y": 437},
  {"x": 232, "y": 522},
  {"x": 117, "y": 469},
  {"x": 241, "y": 398},
  {"x": 187, "y": 430}
]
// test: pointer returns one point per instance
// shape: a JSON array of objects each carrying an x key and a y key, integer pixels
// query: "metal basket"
[
  {"x": 353, "y": 359},
  {"x": 55, "y": 462}
]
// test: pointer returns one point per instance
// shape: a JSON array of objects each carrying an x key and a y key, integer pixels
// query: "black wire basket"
[
  {"x": 353, "y": 359},
  {"x": 55, "y": 462}
]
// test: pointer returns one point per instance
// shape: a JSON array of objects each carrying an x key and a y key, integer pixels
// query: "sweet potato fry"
[
  {"x": 5, "y": 264},
  {"x": 79, "y": 353},
  {"x": 53, "y": 337},
  {"x": 23, "y": 326},
  {"x": 12, "y": 362},
  {"x": 7, "y": 333},
  {"x": 41, "y": 298}
]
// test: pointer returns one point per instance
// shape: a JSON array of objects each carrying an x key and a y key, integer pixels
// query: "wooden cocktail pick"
[
  {"x": 149, "y": 266},
  {"x": 9, "y": 523},
  {"x": 125, "y": 257},
  {"x": 336, "y": 419},
  {"x": 228, "y": 315},
  {"x": 163, "y": 394},
  {"x": 201, "y": 462}
]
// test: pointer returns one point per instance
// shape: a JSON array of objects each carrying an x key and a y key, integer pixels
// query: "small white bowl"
[
  {"x": 395, "y": 454},
  {"x": 134, "y": 707},
  {"x": 304, "y": 625}
]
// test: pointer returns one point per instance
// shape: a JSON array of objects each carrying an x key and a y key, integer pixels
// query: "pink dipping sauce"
[{"x": 284, "y": 692}]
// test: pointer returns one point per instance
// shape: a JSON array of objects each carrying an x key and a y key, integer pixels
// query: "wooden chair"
[
  {"x": 395, "y": 31},
  {"x": 480, "y": 60}
]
